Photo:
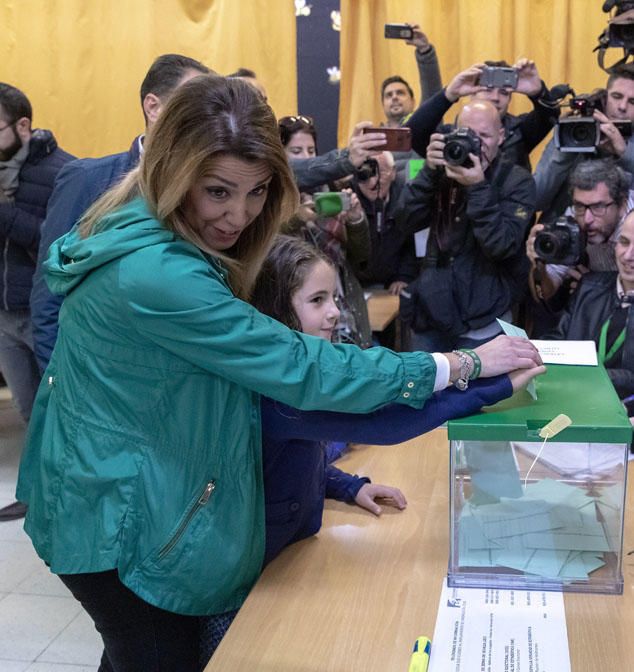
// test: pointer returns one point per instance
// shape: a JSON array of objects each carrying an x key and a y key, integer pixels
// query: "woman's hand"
[
  {"x": 371, "y": 491},
  {"x": 306, "y": 211},
  {"x": 520, "y": 378},
  {"x": 507, "y": 353}
]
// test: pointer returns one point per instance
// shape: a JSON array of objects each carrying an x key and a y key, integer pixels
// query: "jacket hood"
[{"x": 127, "y": 229}]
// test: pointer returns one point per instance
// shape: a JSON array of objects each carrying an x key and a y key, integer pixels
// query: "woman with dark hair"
[
  {"x": 142, "y": 469},
  {"x": 299, "y": 137}
]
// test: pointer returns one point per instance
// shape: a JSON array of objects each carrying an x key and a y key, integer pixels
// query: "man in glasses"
[
  {"x": 29, "y": 162},
  {"x": 600, "y": 196}
]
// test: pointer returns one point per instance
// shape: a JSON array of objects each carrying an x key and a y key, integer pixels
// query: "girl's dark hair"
[
  {"x": 282, "y": 274},
  {"x": 290, "y": 125}
]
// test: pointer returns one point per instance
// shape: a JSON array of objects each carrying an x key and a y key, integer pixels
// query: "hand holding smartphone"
[
  {"x": 399, "y": 31},
  {"x": 397, "y": 139}
]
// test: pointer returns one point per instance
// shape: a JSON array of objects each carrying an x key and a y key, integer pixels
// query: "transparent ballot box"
[{"x": 538, "y": 515}]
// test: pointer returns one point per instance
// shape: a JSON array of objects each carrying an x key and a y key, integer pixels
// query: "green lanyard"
[{"x": 620, "y": 339}]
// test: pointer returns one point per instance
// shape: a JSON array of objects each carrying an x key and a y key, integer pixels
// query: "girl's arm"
[{"x": 386, "y": 426}]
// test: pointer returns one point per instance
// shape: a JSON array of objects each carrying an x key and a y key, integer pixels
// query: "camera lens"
[
  {"x": 581, "y": 133},
  {"x": 455, "y": 153},
  {"x": 545, "y": 245}
]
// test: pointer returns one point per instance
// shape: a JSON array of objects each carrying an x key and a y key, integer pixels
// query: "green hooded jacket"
[{"x": 143, "y": 450}]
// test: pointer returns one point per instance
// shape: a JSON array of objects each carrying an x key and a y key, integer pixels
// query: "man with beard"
[{"x": 29, "y": 162}]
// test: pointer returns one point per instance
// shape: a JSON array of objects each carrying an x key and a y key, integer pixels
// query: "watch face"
[{"x": 462, "y": 384}]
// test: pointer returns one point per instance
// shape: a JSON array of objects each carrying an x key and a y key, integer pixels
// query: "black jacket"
[
  {"x": 475, "y": 267},
  {"x": 20, "y": 221},
  {"x": 592, "y": 304},
  {"x": 392, "y": 253}
]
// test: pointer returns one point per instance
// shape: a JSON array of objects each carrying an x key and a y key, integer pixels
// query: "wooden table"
[
  {"x": 382, "y": 309},
  {"x": 355, "y": 597}
]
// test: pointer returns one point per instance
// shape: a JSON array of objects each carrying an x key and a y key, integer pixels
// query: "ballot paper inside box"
[{"x": 535, "y": 515}]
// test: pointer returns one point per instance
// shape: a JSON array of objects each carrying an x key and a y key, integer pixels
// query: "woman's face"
[
  {"x": 314, "y": 302},
  {"x": 221, "y": 204},
  {"x": 300, "y": 146}
]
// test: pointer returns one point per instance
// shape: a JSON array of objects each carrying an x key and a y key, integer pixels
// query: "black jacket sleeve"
[
  {"x": 425, "y": 120},
  {"x": 536, "y": 124}
]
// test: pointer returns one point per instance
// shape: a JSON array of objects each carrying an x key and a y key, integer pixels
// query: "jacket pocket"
[{"x": 201, "y": 500}]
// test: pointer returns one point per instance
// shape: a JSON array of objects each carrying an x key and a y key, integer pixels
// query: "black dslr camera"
[
  {"x": 458, "y": 145},
  {"x": 581, "y": 132},
  {"x": 561, "y": 242},
  {"x": 369, "y": 168}
]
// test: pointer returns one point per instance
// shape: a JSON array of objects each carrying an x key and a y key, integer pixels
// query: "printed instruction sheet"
[{"x": 495, "y": 630}]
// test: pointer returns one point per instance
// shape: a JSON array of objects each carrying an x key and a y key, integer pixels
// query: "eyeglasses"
[
  {"x": 7, "y": 126},
  {"x": 597, "y": 209},
  {"x": 287, "y": 121}
]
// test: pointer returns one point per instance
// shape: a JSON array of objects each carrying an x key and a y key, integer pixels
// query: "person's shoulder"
[
  {"x": 172, "y": 260},
  {"x": 44, "y": 151},
  {"x": 599, "y": 280},
  {"x": 119, "y": 162},
  {"x": 512, "y": 174},
  {"x": 172, "y": 275}
]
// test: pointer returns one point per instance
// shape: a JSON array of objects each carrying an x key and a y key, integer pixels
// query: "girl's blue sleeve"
[
  {"x": 388, "y": 425},
  {"x": 341, "y": 485}
]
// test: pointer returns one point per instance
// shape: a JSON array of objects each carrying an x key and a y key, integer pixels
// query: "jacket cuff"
[{"x": 356, "y": 484}]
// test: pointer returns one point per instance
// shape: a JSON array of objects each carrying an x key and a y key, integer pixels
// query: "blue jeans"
[
  {"x": 17, "y": 359},
  {"x": 136, "y": 635}
]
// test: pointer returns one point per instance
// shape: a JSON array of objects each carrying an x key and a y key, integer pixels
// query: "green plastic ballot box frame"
[{"x": 535, "y": 515}]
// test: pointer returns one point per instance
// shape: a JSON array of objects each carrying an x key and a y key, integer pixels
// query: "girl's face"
[
  {"x": 300, "y": 146},
  {"x": 221, "y": 204},
  {"x": 314, "y": 302}
]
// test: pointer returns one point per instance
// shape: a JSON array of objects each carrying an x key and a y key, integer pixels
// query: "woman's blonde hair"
[{"x": 205, "y": 118}]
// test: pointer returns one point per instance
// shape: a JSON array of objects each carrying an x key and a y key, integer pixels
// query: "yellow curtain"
[
  {"x": 559, "y": 35},
  {"x": 81, "y": 62}
]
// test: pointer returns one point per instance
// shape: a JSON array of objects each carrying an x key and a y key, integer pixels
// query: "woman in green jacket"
[{"x": 142, "y": 471}]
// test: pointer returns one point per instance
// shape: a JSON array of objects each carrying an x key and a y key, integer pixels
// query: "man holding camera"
[
  {"x": 397, "y": 96},
  {"x": 477, "y": 208},
  {"x": 392, "y": 262},
  {"x": 616, "y": 103},
  {"x": 522, "y": 133},
  {"x": 561, "y": 252}
]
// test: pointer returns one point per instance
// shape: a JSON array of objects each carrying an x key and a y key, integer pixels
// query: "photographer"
[
  {"x": 392, "y": 263},
  {"x": 477, "y": 212},
  {"x": 397, "y": 96},
  {"x": 599, "y": 190},
  {"x": 600, "y": 311},
  {"x": 555, "y": 166},
  {"x": 522, "y": 133}
]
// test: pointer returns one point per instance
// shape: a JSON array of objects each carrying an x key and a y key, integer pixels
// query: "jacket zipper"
[
  {"x": 200, "y": 502},
  {"x": 5, "y": 275}
]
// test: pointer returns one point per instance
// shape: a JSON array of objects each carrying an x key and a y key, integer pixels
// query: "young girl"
[
  {"x": 344, "y": 238},
  {"x": 298, "y": 286}
]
